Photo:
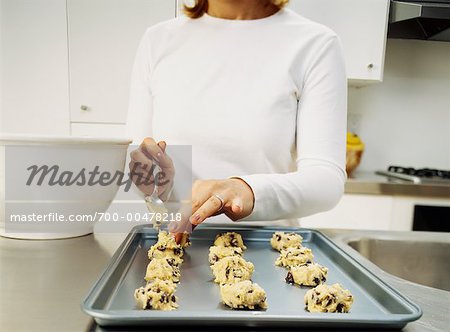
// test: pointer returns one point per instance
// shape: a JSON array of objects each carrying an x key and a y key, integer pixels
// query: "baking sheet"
[{"x": 110, "y": 301}]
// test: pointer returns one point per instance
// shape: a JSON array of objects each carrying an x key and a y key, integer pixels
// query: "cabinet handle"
[
  {"x": 370, "y": 66},
  {"x": 84, "y": 108}
]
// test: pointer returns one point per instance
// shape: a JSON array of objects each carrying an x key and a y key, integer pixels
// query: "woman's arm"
[
  {"x": 139, "y": 118},
  {"x": 318, "y": 183},
  {"x": 139, "y": 128}
]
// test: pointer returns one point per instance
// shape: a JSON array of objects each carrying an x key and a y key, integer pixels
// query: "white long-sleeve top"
[{"x": 261, "y": 99}]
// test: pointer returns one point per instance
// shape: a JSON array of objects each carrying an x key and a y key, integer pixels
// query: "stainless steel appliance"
[
  {"x": 420, "y": 19},
  {"x": 421, "y": 175}
]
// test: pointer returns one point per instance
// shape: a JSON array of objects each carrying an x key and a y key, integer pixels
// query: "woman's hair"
[{"x": 201, "y": 6}]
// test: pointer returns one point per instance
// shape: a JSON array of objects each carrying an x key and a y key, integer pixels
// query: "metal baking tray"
[{"x": 110, "y": 301}]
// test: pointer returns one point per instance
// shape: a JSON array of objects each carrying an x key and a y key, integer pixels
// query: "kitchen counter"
[
  {"x": 44, "y": 282},
  {"x": 373, "y": 184}
]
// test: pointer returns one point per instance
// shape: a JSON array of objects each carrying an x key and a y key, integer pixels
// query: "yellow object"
[
  {"x": 354, "y": 142},
  {"x": 355, "y": 148}
]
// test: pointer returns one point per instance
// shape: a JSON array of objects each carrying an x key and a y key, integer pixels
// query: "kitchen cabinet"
[
  {"x": 372, "y": 212},
  {"x": 362, "y": 28},
  {"x": 103, "y": 39},
  {"x": 34, "y": 69},
  {"x": 98, "y": 129}
]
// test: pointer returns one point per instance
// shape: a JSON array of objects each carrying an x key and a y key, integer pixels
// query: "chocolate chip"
[
  {"x": 227, "y": 272},
  {"x": 250, "y": 291},
  {"x": 316, "y": 281},
  {"x": 290, "y": 278},
  {"x": 177, "y": 251},
  {"x": 278, "y": 237},
  {"x": 340, "y": 307},
  {"x": 158, "y": 290},
  {"x": 173, "y": 298},
  {"x": 164, "y": 298}
]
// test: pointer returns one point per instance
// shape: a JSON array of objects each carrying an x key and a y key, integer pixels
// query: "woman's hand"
[
  {"x": 143, "y": 168},
  {"x": 233, "y": 197}
]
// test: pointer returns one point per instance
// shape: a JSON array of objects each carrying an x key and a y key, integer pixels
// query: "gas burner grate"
[{"x": 421, "y": 172}]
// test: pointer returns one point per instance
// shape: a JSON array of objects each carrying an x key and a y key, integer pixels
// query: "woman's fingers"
[
  {"x": 150, "y": 148},
  {"x": 137, "y": 156},
  {"x": 237, "y": 205},
  {"x": 162, "y": 145},
  {"x": 211, "y": 207},
  {"x": 156, "y": 151}
]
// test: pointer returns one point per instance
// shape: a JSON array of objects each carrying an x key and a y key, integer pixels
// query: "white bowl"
[{"x": 19, "y": 200}]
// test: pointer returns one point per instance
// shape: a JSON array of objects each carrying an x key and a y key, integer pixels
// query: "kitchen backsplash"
[{"x": 406, "y": 119}]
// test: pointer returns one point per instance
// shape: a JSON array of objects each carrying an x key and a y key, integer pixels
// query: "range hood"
[{"x": 425, "y": 19}]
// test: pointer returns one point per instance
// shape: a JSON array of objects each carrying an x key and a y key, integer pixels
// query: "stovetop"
[{"x": 421, "y": 175}]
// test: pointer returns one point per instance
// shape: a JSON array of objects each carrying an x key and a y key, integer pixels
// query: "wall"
[
  {"x": 34, "y": 68},
  {"x": 406, "y": 119}
]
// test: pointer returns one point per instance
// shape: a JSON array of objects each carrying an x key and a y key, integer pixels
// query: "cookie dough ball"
[
  {"x": 160, "y": 268},
  {"x": 216, "y": 253},
  {"x": 159, "y": 252},
  {"x": 232, "y": 269},
  {"x": 243, "y": 294},
  {"x": 158, "y": 295},
  {"x": 307, "y": 275},
  {"x": 294, "y": 256},
  {"x": 325, "y": 298},
  {"x": 230, "y": 239},
  {"x": 168, "y": 254},
  {"x": 282, "y": 240},
  {"x": 185, "y": 241},
  {"x": 166, "y": 247},
  {"x": 167, "y": 241}
]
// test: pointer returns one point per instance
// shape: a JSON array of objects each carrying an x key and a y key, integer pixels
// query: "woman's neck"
[{"x": 241, "y": 9}]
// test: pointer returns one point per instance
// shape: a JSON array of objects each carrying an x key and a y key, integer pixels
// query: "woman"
[{"x": 259, "y": 92}]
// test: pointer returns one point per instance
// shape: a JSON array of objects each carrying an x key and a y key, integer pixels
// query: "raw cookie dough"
[
  {"x": 307, "y": 275},
  {"x": 216, "y": 253},
  {"x": 172, "y": 258},
  {"x": 166, "y": 247},
  {"x": 325, "y": 298},
  {"x": 294, "y": 256},
  {"x": 232, "y": 269},
  {"x": 243, "y": 294},
  {"x": 282, "y": 240},
  {"x": 158, "y": 295},
  {"x": 185, "y": 241},
  {"x": 230, "y": 239},
  {"x": 160, "y": 268},
  {"x": 167, "y": 241}
]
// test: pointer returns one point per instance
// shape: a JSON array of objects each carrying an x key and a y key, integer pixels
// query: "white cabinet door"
[
  {"x": 34, "y": 71},
  {"x": 98, "y": 129},
  {"x": 362, "y": 28},
  {"x": 103, "y": 39},
  {"x": 370, "y": 212}
]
